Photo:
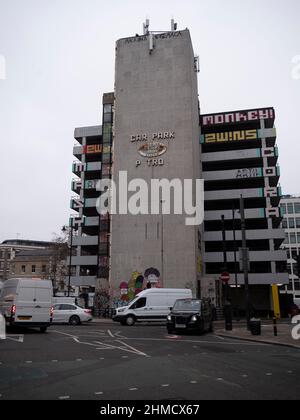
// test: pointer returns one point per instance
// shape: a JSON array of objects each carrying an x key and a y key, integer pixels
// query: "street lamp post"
[
  {"x": 225, "y": 269},
  {"x": 234, "y": 246},
  {"x": 245, "y": 260},
  {"x": 70, "y": 255}
]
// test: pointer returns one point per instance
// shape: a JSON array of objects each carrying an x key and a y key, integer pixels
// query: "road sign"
[{"x": 225, "y": 277}]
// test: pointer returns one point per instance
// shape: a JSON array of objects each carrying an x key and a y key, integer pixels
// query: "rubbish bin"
[{"x": 255, "y": 326}]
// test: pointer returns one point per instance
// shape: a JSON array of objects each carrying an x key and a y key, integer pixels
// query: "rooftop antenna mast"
[
  {"x": 146, "y": 27},
  {"x": 173, "y": 25}
]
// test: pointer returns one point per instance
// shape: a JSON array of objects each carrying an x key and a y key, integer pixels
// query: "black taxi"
[{"x": 190, "y": 315}]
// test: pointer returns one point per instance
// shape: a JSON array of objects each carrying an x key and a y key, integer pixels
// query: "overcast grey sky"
[{"x": 59, "y": 58}]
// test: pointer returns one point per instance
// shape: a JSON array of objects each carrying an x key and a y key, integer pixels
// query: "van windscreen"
[{"x": 8, "y": 294}]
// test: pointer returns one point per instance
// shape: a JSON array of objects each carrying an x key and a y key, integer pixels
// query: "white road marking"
[
  {"x": 110, "y": 333},
  {"x": 193, "y": 382},
  {"x": 221, "y": 338},
  {"x": 54, "y": 361},
  {"x": 28, "y": 361},
  {"x": 65, "y": 397},
  {"x": 220, "y": 379},
  {"x": 165, "y": 385},
  {"x": 269, "y": 374},
  {"x": 131, "y": 349},
  {"x": 98, "y": 393},
  {"x": 78, "y": 360},
  {"x": 244, "y": 376},
  {"x": 133, "y": 389},
  {"x": 232, "y": 343},
  {"x": 15, "y": 337},
  {"x": 124, "y": 357}
]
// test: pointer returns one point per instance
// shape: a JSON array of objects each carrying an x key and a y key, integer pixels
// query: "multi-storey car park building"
[
  {"x": 239, "y": 158},
  {"x": 290, "y": 209},
  {"x": 151, "y": 130},
  {"x": 90, "y": 231}
]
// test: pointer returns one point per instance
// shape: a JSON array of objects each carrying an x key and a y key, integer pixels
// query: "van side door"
[
  {"x": 42, "y": 303},
  {"x": 139, "y": 309}
]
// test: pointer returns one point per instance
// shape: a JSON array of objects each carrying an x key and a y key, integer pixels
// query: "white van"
[
  {"x": 150, "y": 305},
  {"x": 27, "y": 303}
]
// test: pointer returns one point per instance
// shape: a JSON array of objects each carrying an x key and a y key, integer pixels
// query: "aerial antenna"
[
  {"x": 146, "y": 27},
  {"x": 173, "y": 25}
]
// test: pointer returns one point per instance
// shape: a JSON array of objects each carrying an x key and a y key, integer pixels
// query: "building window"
[
  {"x": 107, "y": 108},
  {"x": 33, "y": 267},
  {"x": 284, "y": 224},
  {"x": 283, "y": 209},
  {"x": 296, "y": 285},
  {"x": 298, "y": 223},
  {"x": 292, "y": 238},
  {"x": 298, "y": 238},
  {"x": 297, "y": 208},
  {"x": 23, "y": 269},
  {"x": 44, "y": 268},
  {"x": 291, "y": 223},
  {"x": 1, "y": 265},
  {"x": 290, "y": 208}
]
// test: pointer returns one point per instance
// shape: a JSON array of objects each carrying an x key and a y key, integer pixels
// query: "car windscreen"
[{"x": 187, "y": 306}]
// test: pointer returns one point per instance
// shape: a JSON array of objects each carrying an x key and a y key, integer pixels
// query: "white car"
[{"x": 64, "y": 313}]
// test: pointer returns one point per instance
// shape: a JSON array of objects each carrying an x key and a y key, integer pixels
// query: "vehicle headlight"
[
  {"x": 169, "y": 318},
  {"x": 194, "y": 318}
]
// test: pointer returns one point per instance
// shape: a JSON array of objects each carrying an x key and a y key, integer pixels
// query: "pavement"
[{"x": 283, "y": 338}]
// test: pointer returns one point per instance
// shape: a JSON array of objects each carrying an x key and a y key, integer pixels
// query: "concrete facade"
[{"x": 156, "y": 92}]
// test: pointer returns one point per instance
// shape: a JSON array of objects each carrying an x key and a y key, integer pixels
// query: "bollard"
[{"x": 275, "y": 327}]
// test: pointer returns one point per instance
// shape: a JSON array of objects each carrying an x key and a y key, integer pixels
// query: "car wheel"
[
  {"x": 74, "y": 320},
  {"x": 130, "y": 321},
  {"x": 43, "y": 329}
]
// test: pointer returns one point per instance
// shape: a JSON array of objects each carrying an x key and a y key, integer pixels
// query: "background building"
[
  {"x": 10, "y": 248},
  {"x": 239, "y": 157},
  {"x": 45, "y": 264},
  {"x": 290, "y": 209}
]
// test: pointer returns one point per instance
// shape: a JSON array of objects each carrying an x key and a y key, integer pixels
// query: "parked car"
[
  {"x": 65, "y": 313},
  {"x": 27, "y": 303},
  {"x": 190, "y": 314},
  {"x": 150, "y": 305}
]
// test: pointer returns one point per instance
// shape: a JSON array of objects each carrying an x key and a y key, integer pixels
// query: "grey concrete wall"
[
  {"x": 231, "y": 155},
  {"x": 156, "y": 92}
]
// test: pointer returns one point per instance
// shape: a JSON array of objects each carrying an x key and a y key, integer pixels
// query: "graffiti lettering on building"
[
  {"x": 234, "y": 117},
  {"x": 230, "y": 136}
]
